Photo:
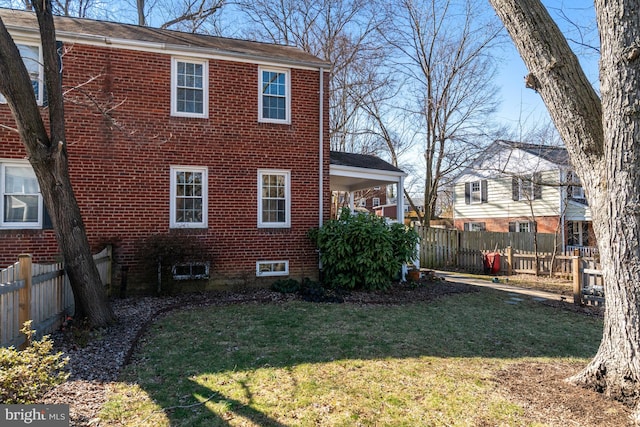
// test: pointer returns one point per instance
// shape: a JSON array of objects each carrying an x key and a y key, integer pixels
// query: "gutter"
[{"x": 171, "y": 48}]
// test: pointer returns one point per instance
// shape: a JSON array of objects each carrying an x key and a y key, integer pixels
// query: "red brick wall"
[
  {"x": 546, "y": 224},
  {"x": 119, "y": 162}
]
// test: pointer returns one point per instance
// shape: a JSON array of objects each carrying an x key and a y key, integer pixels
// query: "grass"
[{"x": 305, "y": 364}]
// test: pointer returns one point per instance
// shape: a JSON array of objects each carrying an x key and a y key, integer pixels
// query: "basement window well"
[{"x": 190, "y": 271}]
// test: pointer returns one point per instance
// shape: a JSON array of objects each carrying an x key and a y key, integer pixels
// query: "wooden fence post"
[
  {"x": 24, "y": 295},
  {"x": 109, "y": 267},
  {"x": 577, "y": 278},
  {"x": 509, "y": 260}
]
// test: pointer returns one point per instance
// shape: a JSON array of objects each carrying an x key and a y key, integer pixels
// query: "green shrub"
[
  {"x": 25, "y": 375},
  {"x": 314, "y": 292},
  {"x": 362, "y": 251},
  {"x": 286, "y": 286}
]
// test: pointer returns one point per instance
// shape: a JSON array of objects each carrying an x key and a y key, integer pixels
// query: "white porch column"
[
  {"x": 352, "y": 201},
  {"x": 400, "y": 200}
]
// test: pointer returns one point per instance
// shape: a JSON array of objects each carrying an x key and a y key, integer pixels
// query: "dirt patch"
[
  {"x": 556, "y": 285},
  {"x": 542, "y": 390}
]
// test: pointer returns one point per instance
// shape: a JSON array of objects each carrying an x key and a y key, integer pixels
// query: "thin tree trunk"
[{"x": 48, "y": 156}]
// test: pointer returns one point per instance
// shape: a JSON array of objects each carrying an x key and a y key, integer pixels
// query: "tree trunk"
[
  {"x": 48, "y": 157},
  {"x": 601, "y": 137}
]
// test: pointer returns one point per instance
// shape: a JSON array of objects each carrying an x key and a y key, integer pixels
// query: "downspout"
[
  {"x": 321, "y": 162},
  {"x": 321, "y": 157},
  {"x": 563, "y": 208}
]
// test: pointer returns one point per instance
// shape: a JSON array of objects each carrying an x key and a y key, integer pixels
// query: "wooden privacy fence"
[
  {"x": 516, "y": 262},
  {"x": 41, "y": 293},
  {"x": 588, "y": 284},
  {"x": 440, "y": 248}
]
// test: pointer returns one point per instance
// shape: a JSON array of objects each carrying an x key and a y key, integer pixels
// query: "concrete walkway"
[{"x": 503, "y": 285}]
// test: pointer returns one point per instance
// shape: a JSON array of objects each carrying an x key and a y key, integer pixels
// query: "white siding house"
[{"x": 522, "y": 187}]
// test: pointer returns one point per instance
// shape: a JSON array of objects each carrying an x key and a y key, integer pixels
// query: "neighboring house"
[
  {"x": 217, "y": 144},
  {"x": 367, "y": 199},
  {"x": 390, "y": 210},
  {"x": 364, "y": 200},
  {"x": 360, "y": 181},
  {"x": 522, "y": 187}
]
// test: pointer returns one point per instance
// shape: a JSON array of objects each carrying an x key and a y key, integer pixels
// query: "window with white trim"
[
  {"x": 476, "y": 192},
  {"x": 189, "y": 87},
  {"x": 577, "y": 233},
  {"x": 526, "y": 189},
  {"x": 274, "y": 100},
  {"x": 375, "y": 201},
  {"x": 274, "y": 198},
  {"x": 362, "y": 203},
  {"x": 188, "y": 195},
  {"x": 575, "y": 186},
  {"x": 21, "y": 203},
  {"x": 522, "y": 227},
  {"x": 32, "y": 57},
  {"x": 272, "y": 268},
  {"x": 474, "y": 226}
]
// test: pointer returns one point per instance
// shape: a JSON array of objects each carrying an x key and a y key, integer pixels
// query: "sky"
[{"x": 522, "y": 106}]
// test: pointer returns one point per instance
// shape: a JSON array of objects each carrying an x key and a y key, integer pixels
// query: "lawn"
[{"x": 433, "y": 363}]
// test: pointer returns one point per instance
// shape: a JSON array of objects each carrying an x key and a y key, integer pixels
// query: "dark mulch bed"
[{"x": 546, "y": 396}]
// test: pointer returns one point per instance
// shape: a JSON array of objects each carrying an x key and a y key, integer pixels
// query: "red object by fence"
[{"x": 492, "y": 263}]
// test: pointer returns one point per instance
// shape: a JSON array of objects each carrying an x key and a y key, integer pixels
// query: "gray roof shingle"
[
  {"x": 68, "y": 27},
  {"x": 366, "y": 161},
  {"x": 551, "y": 153}
]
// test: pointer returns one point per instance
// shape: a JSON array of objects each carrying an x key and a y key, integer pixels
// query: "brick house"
[
  {"x": 211, "y": 153},
  {"x": 520, "y": 187}
]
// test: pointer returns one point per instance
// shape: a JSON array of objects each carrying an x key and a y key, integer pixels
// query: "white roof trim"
[
  {"x": 169, "y": 49},
  {"x": 349, "y": 178}
]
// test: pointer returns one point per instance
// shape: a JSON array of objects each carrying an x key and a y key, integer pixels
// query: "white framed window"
[
  {"x": 575, "y": 186},
  {"x": 274, "y": 98},
  {"x": 21, "y": 203},
  {"x": 375, "y": 201},
  {"x": 525, "y": 186},
  {"x": 476, "y": 192},
  {"x": 272, "y": 268},
  {"x": 32, "y": 57},
  {"x": 523, "y": 227},
  {"x": 362, "y": 203},
  {"x": 474, "y": 226},
  {"x": 577, "y": 233},
  {"x": 188, "y": 193},
  {"x": 274, "y": 198},
  {"x": 189, "y": 87}
]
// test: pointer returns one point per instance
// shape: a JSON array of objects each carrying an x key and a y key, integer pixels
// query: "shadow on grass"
[
  {"x": 189, "y": 345},
  {"x": 236, "y": 407}
]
